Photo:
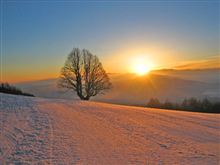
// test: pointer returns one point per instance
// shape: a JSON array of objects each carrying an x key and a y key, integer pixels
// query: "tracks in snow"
[
  {"x": 46, "y": 131},
  {"x": 26, "y": 133}
]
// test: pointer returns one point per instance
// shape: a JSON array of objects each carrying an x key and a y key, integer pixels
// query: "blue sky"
[{"x": 38, "y": 35}]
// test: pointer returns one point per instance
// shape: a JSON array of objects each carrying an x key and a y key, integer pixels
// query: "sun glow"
[
  {"x": 141, "y": 69},
  {"x": 141, "y": 66}
]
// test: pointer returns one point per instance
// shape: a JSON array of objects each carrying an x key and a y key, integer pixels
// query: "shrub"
[
  {"x": 190, "y": 104},
  {"x": 6, "y": 88}
]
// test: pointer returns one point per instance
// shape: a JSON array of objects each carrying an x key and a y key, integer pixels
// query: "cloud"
[{"x": 209, "y": 63}]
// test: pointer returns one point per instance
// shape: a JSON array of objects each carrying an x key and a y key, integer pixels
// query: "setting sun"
[
  {"x": 141, "y": 69},
  {"x": 141, "y": 65}
]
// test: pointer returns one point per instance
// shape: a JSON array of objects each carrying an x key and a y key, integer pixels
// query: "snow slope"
[{"x": 55, "y": 131}]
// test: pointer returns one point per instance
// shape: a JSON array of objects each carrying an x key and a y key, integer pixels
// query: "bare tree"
[{"x": 84, "y": 73}]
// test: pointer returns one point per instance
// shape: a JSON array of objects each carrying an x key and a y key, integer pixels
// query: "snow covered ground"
[{"x": 55, "y": 131}]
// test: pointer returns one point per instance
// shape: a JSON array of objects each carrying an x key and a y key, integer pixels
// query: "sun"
[
  {"x": 141, "y": 66},
  {"x": 141, "y": 69}
]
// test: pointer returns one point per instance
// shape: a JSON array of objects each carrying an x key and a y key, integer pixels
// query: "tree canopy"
[{"x": 84, "y": 73}]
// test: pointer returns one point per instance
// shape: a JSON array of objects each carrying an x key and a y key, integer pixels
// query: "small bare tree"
[{"x": 84, "y": 73}]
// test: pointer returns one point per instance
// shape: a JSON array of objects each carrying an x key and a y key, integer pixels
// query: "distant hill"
[
  {"x": 202, "y": 75},
  {"x": 136, "y": 90}
]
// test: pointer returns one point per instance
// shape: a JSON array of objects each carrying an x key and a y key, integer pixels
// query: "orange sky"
[{"x": 123, "y": 63}]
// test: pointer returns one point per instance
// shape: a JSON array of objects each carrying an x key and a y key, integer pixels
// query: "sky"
[{"x": 37, "y": 36}]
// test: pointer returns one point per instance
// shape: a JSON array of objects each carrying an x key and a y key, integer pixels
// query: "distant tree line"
[
  {"x": 191, "y": 104},
  {"x": 6, "y": 88}
]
